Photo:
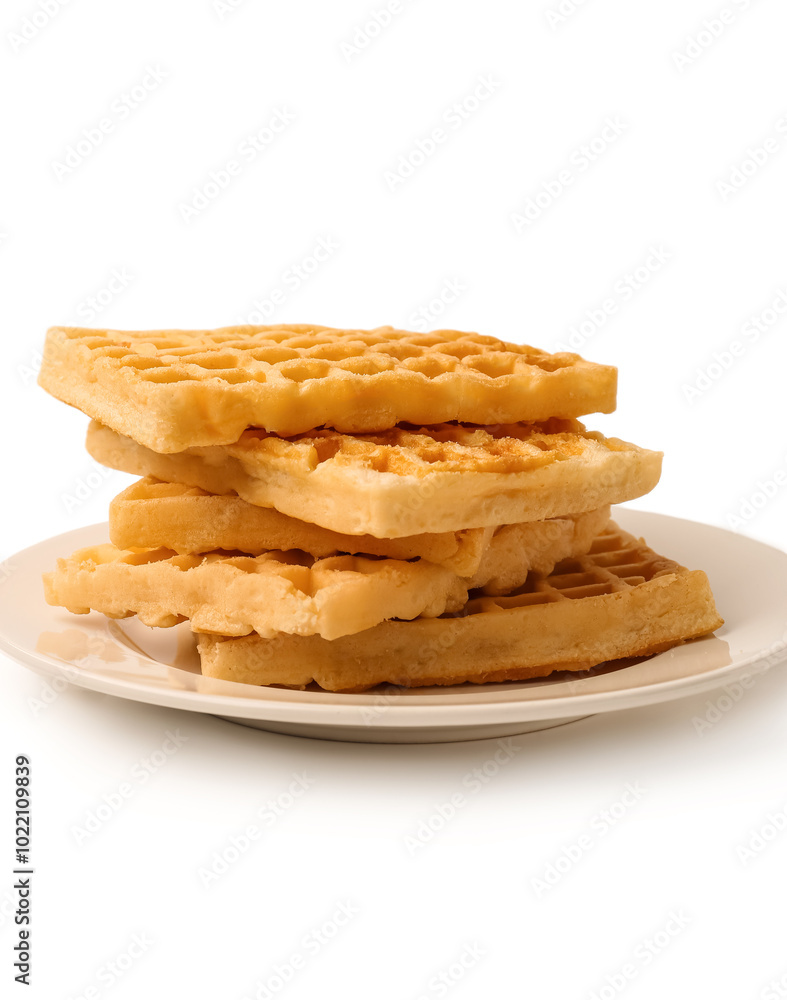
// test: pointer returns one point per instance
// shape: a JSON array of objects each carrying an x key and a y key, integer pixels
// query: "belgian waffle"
[
  {"x": 175, "y": 389},
  {"x": 621, "y": 600},
  {"x": 407, "y": 481},
  {"x": 514, "y": 550},
  {"x": 277, "y": 592},
  {"x": 292, "y": 591},
  {"x": 151, "y": 514}
]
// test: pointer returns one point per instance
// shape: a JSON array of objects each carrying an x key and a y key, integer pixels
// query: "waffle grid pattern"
[
  {"x": 301, "y": 353},
  {"x": 404, "y": 451},
  {"x": 616, "y": 562},
  {"x": 172, "y": 390},
  {"x": 289, "y": 592}
]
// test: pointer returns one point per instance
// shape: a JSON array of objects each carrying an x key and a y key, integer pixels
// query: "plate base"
[{"x": 378, "y": 734}]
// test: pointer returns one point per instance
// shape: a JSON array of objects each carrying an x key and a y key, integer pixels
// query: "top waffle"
[{"x": 176, "y": 389}]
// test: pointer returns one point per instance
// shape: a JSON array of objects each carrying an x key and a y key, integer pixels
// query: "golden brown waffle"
[
  {"x": 514, "y": 550},
  {"x": 407, "y": 482},
  {"x": 294, "y": 592},
  {"x": 177, "y": 389},
  {"x": 234, "y": 595},
  {"x": 151, "y": 514},
  {"x": 621, "y": 600}
]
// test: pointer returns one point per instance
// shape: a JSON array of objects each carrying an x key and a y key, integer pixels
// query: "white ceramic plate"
[{"x": 160, "y": 666}]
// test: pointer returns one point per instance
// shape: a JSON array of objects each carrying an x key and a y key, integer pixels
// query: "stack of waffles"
[{"x": 348, "y": 508}]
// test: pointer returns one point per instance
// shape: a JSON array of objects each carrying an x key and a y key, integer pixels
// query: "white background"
[{"x": 695, "y": 113}]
